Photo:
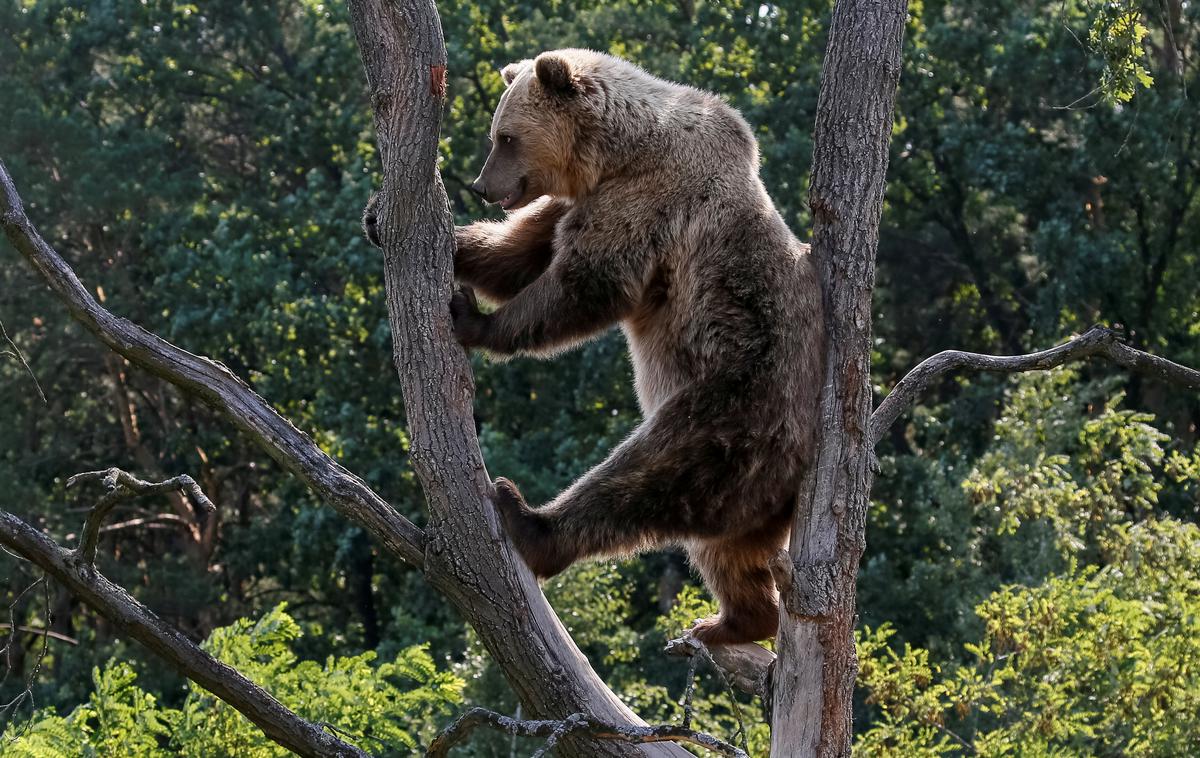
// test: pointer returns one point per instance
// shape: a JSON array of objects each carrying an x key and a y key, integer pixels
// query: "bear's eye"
[{"x": 505, "y": 139}]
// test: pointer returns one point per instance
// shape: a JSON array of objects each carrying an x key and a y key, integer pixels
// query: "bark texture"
[
  {"x": 467, "y": 556},
  {"x": 813, "y": 681}
]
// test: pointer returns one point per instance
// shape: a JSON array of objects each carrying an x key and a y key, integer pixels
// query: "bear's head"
[{"x": 550, "y": 104}]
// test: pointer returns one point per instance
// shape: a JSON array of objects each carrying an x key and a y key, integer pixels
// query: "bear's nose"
[{"x": 477, "y": 188}]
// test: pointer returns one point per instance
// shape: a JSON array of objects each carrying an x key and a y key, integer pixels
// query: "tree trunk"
[
  {"x": 813, "y": 684},
  {"x": 467, "y": 557}
]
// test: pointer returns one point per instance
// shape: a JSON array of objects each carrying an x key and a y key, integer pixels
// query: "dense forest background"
[{"x": 1032, "y": 578}]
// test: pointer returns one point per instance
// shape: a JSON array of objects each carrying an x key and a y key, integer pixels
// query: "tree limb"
[
  {"x": 16, "y": 353},
  {"x": 40, "y": 631},
  {"x": 137, "y": 622},
  {"x": 747, "y": 667},
  {"x": 576, "y": 723},
  {"x": 119, "y": 486},
  {"x": 1099, "y": 342},
  {"x": 216, "y": 385}
]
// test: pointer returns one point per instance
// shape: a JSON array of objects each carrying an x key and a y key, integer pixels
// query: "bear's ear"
[
  {"x": 554, "y": 74},
  {"x": 510, "y": 72}
]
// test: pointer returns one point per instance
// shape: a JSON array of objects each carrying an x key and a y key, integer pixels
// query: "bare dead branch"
[
  {"x": 214, "y": 384},
  {"x": 695, "y": 650},
  {"x": 139, "y": 623},
  {"x": 159, "y": 521},
  {"x": 42, "y": 630},
  {"x": 1097, "y": 342},
  {"x": 115, "y": 478},
  {"x": 121, "y": 486},
  {"x": 16, "y": 353},
  {"x": 26, "y": 693},
  {"x": 747, "y": 667},
  {"x": 553, "y": 731}
]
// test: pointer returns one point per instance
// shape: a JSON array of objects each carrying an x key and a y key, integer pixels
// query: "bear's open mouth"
[{"x": 515, "y": 196}]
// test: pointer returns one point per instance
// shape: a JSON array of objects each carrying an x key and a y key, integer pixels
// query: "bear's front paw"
[
  {"x": 469, "y": 322},
  {"x": 530, "y": 532}
]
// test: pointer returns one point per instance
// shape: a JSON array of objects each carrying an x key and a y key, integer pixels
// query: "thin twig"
[
  {"x": 42, "y": 630},
  {"x": 748, "y": 666},
  {"x": 690, "y": 690},
  {"x": 6, "y": 651},
  {"x": 16, "y": 352},
  {"x": 1099, "y": 341},
  {"x": 27, "y": 692},
  {"x": 462, "y": 727},
  {"x": 737, "y": 708}
]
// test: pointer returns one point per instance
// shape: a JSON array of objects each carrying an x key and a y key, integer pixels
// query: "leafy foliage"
[
  {"x": 363, "y": 701},
  {"x": 1097, "y": 661}
]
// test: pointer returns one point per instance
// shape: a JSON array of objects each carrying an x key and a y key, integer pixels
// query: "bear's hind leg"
[
  {"x": 738, "y": 572},
  {"x": 670, "y": 480}
]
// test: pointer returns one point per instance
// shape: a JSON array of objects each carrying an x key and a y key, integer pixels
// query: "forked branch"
[
  {"x": 1099, "y": 341},
  {"x": 216, "y": 385},
  {"x": 120, "y": 485}
]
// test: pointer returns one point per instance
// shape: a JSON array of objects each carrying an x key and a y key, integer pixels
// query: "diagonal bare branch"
[
  {"x": 216, "y": 385},
  {"x": 1097, "y": 342},
  {"x": 140, "y": 623},
  {"x": 16, "y": 353}
]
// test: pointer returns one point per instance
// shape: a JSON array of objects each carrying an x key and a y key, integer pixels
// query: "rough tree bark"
[
  {"x": 464, "y": 554},
  {"x": 467, "y": 558},
  {"x": 813, "y": 683}
]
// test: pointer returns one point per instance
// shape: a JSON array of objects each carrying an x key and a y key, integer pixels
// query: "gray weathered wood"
[
  {"x": 813, "y": 680},
  {"x": 216, "y": 385},
  {"x": 1098, "y": 342}
]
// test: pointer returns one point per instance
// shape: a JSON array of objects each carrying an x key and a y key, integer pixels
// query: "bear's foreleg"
[
  {"x": 570, "y": 302},
  {"x": 501, "y": 258}
]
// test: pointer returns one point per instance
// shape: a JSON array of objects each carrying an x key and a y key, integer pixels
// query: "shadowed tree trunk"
[{"x": 813, "y": 685}]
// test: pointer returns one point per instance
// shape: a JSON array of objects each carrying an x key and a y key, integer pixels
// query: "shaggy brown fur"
[{"x": 637, "y": 201}]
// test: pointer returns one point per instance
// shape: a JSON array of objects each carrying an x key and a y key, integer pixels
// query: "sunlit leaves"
[
  {"x": 382, "y": 707},
  {"x": 1093, "y": 662}
]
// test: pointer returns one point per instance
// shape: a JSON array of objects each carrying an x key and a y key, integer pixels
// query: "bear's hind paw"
[{"x": 530, "y": 532}]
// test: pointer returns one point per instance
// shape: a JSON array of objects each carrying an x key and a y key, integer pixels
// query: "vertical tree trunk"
[
  {"x": 467, "y": 558},
  {"x": 813, "y": 683}
]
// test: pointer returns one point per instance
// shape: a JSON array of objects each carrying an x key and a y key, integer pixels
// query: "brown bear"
[{"x": 636, "y": 201}]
